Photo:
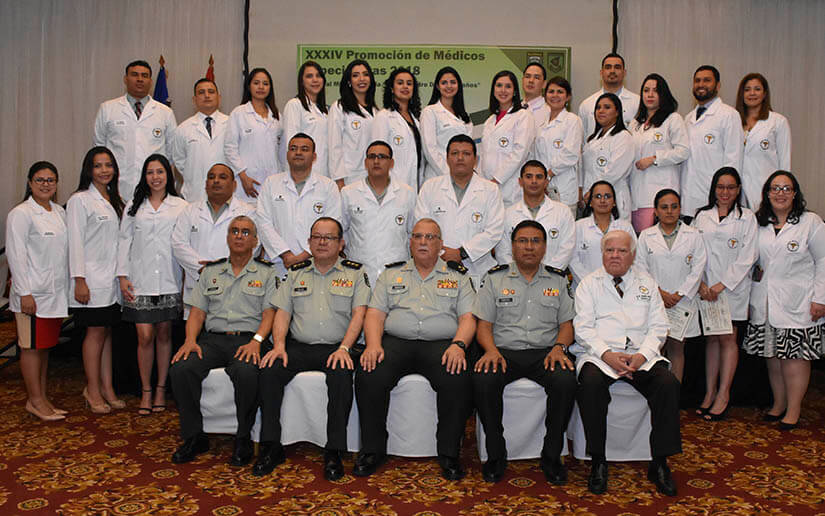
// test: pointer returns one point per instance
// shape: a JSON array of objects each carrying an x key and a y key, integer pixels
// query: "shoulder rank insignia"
[
  {"x": 555, "y": 270},
  {"x": 498, "y": 268},
  {"x": 351, "y": 264},
  {"x": 457, "y": 266},
  {"x": 300, "y": 265},
  {"x": 264, "y": 262},
  {"x": 213, "y": 262},
  {"x": 394, "y": 264}
]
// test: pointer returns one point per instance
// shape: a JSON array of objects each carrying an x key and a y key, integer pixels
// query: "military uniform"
[
  {"x": 234, "y": 306},
  {"x": 422, "y": 319},
  {"x": 526, "y": 318},
  {"x": 321, "y": 307}
]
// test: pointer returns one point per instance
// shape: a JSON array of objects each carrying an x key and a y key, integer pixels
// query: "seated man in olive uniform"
[
  {"x": 525, "y": 324},
  {"x": 321, "y": 305},
  {"x": 232, "y": 296},
  {"x": 418, "y": 321}
]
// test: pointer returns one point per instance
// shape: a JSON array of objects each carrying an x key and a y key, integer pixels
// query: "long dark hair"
[
  {"x": 765, "y": 215},
  {"x": 494, "y": 106},
  {"x": 349, "y": 104},
  {"x": 34, "y": 169},
  {"x": 458, "y": 100},
  {"x": 111, "y": 189},
  {"x": 389, "y": 100},
  {"x": 724, "y": 171},
  {"x": 321, "y": 101},
  {"x": 617, "y": 103},
  {"x": 270, "y": 98},
  {"x": 142, "y": 190},
  {"x": 561, "y": 82},
  {"x": 588, "y": 210},
  {"x": 667, "y": 104},
  {"x": 764, "y": 109},
  {"x": 658, "y": 197}
]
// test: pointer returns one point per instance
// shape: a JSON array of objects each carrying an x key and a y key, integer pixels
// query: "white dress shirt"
[
  {"x": 557, "y": 221},
  {"x": 195, "y": 152}
]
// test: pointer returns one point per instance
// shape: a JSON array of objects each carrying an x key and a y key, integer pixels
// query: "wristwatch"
[
  {"x": 463, "y": 253},
  {"x": 257, "y": 338},
  {"x": 563, "y": 347},
  {"x": 460, "y": 343}
]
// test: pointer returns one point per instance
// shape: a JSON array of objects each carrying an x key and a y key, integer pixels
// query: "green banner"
[{"x": 476, "y": 64}]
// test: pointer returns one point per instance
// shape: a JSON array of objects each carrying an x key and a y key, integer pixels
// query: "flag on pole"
[
  {"x": 161, "y": 92},
  {"x": 210, "y": 72}
]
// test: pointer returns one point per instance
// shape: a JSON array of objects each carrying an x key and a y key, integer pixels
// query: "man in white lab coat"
[
  {"x": 612, "y": 73},
  {"x": 532, "y": 82},
  {"x": 620, "y": 326},
  {"x": 134, "y": 126}
]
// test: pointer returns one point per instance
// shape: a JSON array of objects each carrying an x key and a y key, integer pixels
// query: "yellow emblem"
[
  {"x": 254, "y": 283},
  {"x": 446, "y": 283},
  {"x": 551, "y": 292},
  {"x": 343, "y": 282}
]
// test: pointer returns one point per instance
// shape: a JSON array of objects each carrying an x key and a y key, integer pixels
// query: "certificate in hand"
[
  {"x": 716, "y": 319},
  {"x": 679, "y": 316}
]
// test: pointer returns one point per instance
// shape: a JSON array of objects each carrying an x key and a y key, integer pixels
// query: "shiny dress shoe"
[
  {"x": 333, "y": 468},
  {"x": 241, "y": 452},
  {"x": 451, "y": 468},
  {"x": 493, "y": 470},
  {"x": 54, "y": 416},
  {"x": 191, "y": 448},
  {"x": 367, "y": 463},
  {"x": 269, "y": 456},
  {"x": 597, "y": 481},
  {"x": 787, "y": 426},
  {"x": 659, "y": 474},
  {"x": 554, "y": 470}
]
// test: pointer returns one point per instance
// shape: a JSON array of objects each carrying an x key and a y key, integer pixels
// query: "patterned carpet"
[{"x": 118, "y": 464}]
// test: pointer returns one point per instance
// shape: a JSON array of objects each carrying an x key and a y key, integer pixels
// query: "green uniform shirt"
[
  {"x": 524, "y": 315},
  {"x": 321, "y": 304},
  {"x": 422, "y": 309},
  {"x": 234, "y": 303}
]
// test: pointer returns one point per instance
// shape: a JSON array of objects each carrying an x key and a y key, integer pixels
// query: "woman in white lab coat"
[
  {"x": 150, "y": 278},
  {"x": 93, "y": 217},
  {"x": 788, "y": 299},
  {"x": 729, "y": 232},
  {"x": 442, "y": 119},
  {"x": 307, "y": 113},
  {"x": 609, "y": 152},
  {"x": 253, "y": 136},
  {"x": 350, "y": 124},
  {"x": 37, "y": 251},
  {"x": 674, "y": 254},
  {"x": 397, "y": 124},
  {"x": 507, "y": 137},
  {"x": 661, "y": 144},
  {"x": 767, "y": 136}
]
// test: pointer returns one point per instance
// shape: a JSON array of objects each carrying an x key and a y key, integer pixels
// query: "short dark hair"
[
  {"x": 712, "y": 69},
  {"x": 559, "y": 81},
  {"x": 320, "y": 219},
  {"x": 462, "y": 138},
  {"x": 204, "y": 79},
  {"x": 612, "y": 54},
  {"x": 527, "y": 223},
  {"x": 139, "y": 62},
  {"x": 536, "y": 63},
  {"x": 765, "y": 214},
  {"x": 34, "y": 169},
  {"x": 532, "y": 163},
  {"x": 302, "y": 135},
  {"x": 378, "y": 142}
]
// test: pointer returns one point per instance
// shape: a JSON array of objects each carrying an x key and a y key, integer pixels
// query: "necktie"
[
  {"x": 209, "y": 125},
  {"x": 700, "y": 111},
  {"x": 616, "y": 282},
  {"x": 138, "y": 109}
]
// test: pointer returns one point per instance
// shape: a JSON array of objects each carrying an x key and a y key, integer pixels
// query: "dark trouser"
[
  {"x": 187, "y": 375},
  {"x": 560, "y": 386},
  {"x": 307, "y": 357},
  {"x": 658, "y": 386},
  {"x": 403, "y": 357}
]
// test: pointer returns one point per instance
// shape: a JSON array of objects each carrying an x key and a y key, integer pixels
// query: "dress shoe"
[
  {"x": 333, "y": 468},
  {"x": 54, "y": 416},
  {"x": 102, "y": 408},
  {"x": 771, "y": 418},
  {"x": 191, "y": 448},
  {"x": 367, "y": 463},
  {"x": 597, "y": 481},
  {"x": 787, "y": 426},
  {"x": 554, "y": 470},
  {"x": 241, "y": 452},
  {"x": 659, "y": 474},
  {"x": 451, "y": 468},
  {"x": 270, "y": 455},
  {"x": 710, "y": 416},
  {"x": 493, "y": 470}
]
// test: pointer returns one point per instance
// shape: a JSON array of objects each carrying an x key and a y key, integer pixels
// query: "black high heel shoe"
[
  {"x": 770, "y": 418},
  {"x": 710, "y": 416}
]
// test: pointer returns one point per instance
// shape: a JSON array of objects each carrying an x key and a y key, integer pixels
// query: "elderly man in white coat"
[{"x": 620, "y": 327}]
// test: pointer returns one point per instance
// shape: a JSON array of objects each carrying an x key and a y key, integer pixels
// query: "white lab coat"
[
  {"x": 678, "y": 270},
  {"x": 732, "y": 251},
  {"x": 296, "y": 120},
  {"x": 349, "y": 135},
  {"x": 669, "y": 143},
  {"x": 610, "y": 158},
  {"x": 438, "y": 125},
  {"x": 793, "y": 264},
  {"x": 556, "y": 219},
  {"x": 767, "y": 149},
  {"x": 476, "y": 224},
  {"x": 715, "y": 142},
  {"x": 605, "y": 321},
  {"x": 587, "y": 109},
  {"x": 252, "y": 144},
  {"x": 558, "y": 146},
  {"x": 377, "y": 235},
  {"x": 504, "y": 149},
  {"x": 588, "y": 255},
  {"x": 539, "y": 109},
  {"x": 196, "y": 238},
  {"x": 144, "y": 247},
  {"x": 37, "y": 245},
  {"x": 93, "y": 230},
  {"x": 391, "y": 127},
  {"x": 194, "y": 152},
  {"x": 285, "y": 216},
  {"x": 131, "y": 140}
]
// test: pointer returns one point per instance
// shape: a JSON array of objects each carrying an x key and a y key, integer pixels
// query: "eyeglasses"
[
  {"x": 324, "y": 238},
  {"x": 425, "y": 236},
  {"x": 729, "y": 188},
  {"x": 781, "y": 189},
  {"x": 235, "y": 232},
  {"x": 45, "y": 180},
  {"x": 603, "y": 196},
  {"x": 381, "y": 157},
  {"x": 525, "y": 241}
]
